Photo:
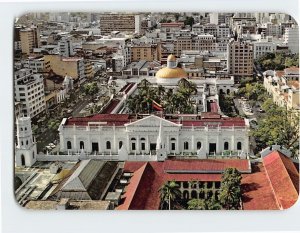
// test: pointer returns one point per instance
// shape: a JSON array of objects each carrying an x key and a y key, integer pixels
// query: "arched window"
[
  {"x": 120, "y": 144},
  {"x": 239, "y": 146},
  {"x": 25, "y": 128},
  {"x": 186, "y": 195},
  {"x": 21, "y": 129},
  {"x": 108, "y": 145},
  {"x": 201, "y": 194},
  {"x": 194, "y": 194},
  {"x": 185, "y": 145},
  {"x": 22, "y": 160},
  {"x": 81, "y": 145},
  {"x": 33, "y": 154},
  {"x": 133, "y": 139},
  {"x": 26, "y": 142},
  {"x": 133, "y": 146},
  {"x": 173, "y": 144},
  {"x": 199, "y": 145},
  {"x": 226, "y": 145},
  {"x": 69, "y": 145},
  {"x": 22, "y": 143},
  {"x": 143, "y": 144},
  {"x": 185, "y": 185}
]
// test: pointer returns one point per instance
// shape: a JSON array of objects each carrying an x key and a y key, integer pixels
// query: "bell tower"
[{"x": 25, "y": 152}]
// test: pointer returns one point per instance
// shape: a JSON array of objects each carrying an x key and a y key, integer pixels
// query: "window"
[
  {"x": 33, "y": 154},
  {"x": 143, "y": 147},
  {"x": 185, "y": 145},
  {"x": 185, "y": 185},
  {"x": 120, "y": 144},
  {"x": 198, "y": 145},
  {"x": 108, "y": 145},
  {"x": 226, "y": 145},
  {"x": 69, "y": 145},
  {"x": 26, "y": 142},
  {"x": 194, "y": 194},
  {"x": 81, "y": 145},
  {"x": 133, "y": 146},
  {"x": 239, "y": 146}
]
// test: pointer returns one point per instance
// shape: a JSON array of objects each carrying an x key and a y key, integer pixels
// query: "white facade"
[
  {"x": 37, "y": 65},
  {"x": 261, "y": 48},
  {"x": 141, "y": 137},
  {"x": 65, "y": 47},
  {"x": 25, "y": 151},
  {"x": 29, "y": 90}
]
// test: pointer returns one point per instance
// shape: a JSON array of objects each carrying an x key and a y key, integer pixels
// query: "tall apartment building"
[
  {"x": 30, "y": 39},
  {"x": 65, "y": 47},
  {"x": 37, "y": 64},
  {"x": 63, "y": 66},
  {"x": 190, "y": 42},
  {"x": 147, "y": 52},
  {"x": 239, "y": 58},
  {"x": 29, "y": 91},
  {"x": 119, "y": 22},
  {"x": 291, "y": 38}
]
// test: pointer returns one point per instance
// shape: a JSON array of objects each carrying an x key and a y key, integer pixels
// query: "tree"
[
  {"x": 189, "y": 21},
  {"x": 53, "y": 124},
  {"x": 91, "y": 88},
  {"x": 169, "y": 192},
  {"x": 204, "y": 204},
  {"x": 279, "y": 126},
  {"x": 230, "y": 191}
]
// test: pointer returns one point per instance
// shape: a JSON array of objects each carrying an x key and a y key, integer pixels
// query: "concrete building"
[
  {"x": 65, "y": 47},
  {"x": 119, "y": 22},
  {"x": 29, "y": 90},
  {"x": 125, "y": 135},
  {"x": 25, "y": 150},
  {"x": 148, "y": 52},
  {"x": 291, "y": 39},
  {"x": 62, "y": 66},
  {"x": 30, "y": 39},
  {"x": 37, "y": 64},
  {"x": 262, "y": 47},
  {"x": 240, "y": 59}
]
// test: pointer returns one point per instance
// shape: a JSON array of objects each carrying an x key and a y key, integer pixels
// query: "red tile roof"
[
  {"x": 148, "y": 177},
  {"x": 121, "y": 119},
  {"x": 206, "y": 165},
  {"x": 107, "y": 119},
  {"x": 257, "y": 192},
  {"x": 284, "y": 178},
  {"x": 111, "y": 106}
]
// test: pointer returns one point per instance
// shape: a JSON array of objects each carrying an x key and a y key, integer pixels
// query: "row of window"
[{"x": 143, "y": 145}]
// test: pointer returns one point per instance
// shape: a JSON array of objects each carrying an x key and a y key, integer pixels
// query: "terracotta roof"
[
  {"x": 283, "y": 177},
  {"x": 206, "y": 165},
  {"x": 148, "y": 177},
  {"x": 279, "y": 73},
  {"x": 257, "y": 192},
  {"x": 293, "y": 83},
  {"x": 111, "y": 106},
  {"x": 107, "y": 119},
  {"x": 212, "y": 120}
]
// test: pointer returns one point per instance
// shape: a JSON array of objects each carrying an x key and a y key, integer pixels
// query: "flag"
[{"x": 156, "y": 106}]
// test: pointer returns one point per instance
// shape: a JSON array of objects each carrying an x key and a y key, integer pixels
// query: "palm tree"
[
  {"x": 169, "y": 192},
  {"x": 230, "y": 192}
]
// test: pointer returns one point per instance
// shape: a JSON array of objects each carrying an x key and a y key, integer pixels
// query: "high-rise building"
[
  {"x": 240, "y": 58},
  {"x": 148, "y": 52},
  {"x": 29, "y": 90},
  {"x": 119, "y": 22},
  {"x": 291, "y": 37},
  {"x": 66, "y": 47},
  {"x": 30, "y": 39}
]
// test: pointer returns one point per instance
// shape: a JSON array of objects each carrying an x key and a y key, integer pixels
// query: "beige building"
[
  {"x": 73, "y": 67},
  {"x": 147, "y": 52},
  {"x": 30, "y": 39},
  {"x": 240, "y": 58},
  {"x": 118, "y": 22},
  {"x": 283, "y": 86}
]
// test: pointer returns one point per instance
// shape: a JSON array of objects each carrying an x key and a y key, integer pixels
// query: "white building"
[
  {"x": 180, "y": 135},
  {"x": 29, "y": 90},
  {"x": 25, "y": 150},
  {"x": 36, "y": 64},
  {"x": 262, "y": 47},
  {"x": 291, "y": 37},
  {"x": 65, "y": 47}
]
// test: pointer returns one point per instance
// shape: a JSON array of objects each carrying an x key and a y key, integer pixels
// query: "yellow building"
[
  {"x": 30, "y": 39},
  {"x": 147, "y": 52},
  {"x": 72, "y": 66}
]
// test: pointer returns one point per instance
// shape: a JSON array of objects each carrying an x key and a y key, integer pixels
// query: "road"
[{"x": 79, "y": 106}]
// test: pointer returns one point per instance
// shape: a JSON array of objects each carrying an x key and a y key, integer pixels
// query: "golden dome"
[
  {"x": 171, "y": 73},
  {"x": 171, "y": 57}
]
